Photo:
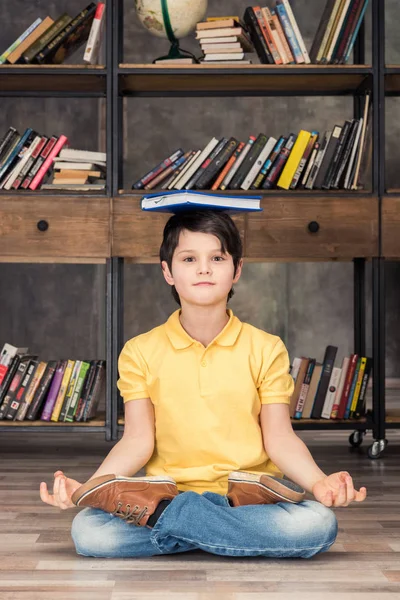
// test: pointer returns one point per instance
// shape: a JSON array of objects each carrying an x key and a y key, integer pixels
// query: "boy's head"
[{"x": 201, "y": 256}]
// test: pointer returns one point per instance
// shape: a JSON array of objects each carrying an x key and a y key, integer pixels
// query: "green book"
[
  {"x": 70, "y": 390},
  {"x": 77, "y": 391}
]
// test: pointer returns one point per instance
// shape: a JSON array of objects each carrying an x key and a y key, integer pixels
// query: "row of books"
[
  {"x": 223, "y": 40},
  {"x": 277, "y": 38},
  {"x": 63, "y": 390},
  {"x": 323, "y": 391},
  {"x": 303, "y": 161},
  {"x": 34, "y": 161},
  {"x": 48, "y": 41}
]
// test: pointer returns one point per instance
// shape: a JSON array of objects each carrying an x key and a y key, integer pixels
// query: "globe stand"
[{"x": 175, "y": 50}]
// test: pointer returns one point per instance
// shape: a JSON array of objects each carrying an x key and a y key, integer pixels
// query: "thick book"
[
  {"x": 35, "y": 35},
  {"x": 279, "y": 163},
  {"x": 211, "y": 171},
  {"x": 360, "y": 408},
  {"x": 6, "y": 357},
  {"x": 48, "y": 163},
  {"x": 318, "y": 160},
  {"x": 295, "y": 28},
  {"x": 48, "y": 146},
  {"x": 353, "y": 36},
  {"x": 95, "y": 392},
  {"x": 31, "y": 391},
  {"x": 23, "y": 363},
  {"x": 312, "y": 390},
  {"x": 16, "y": 150},
  {"x": 92, "y": 50},
  {"x": 9, "y": 375},
  {"x": 53, "y": 391},
  {"x": 333, "y": 387},
  {"x": 258, "y": 164},
  {"x": 159, "y": 180},
  {"x": 328, "y": 156},
  {"x": 172, "y": 201},
  {"x": 328, "y": 364},
  {"x": 229, "y": 176},
  {"x": 69, "y": 417},
  {"x": 304, "y": 389},
  {"x": 62, "y": 391},
  {"x": 224, "y": 172},
  {"x": 29, "y": 55},
  {"x": 299, "y": 381},
  {"x": 69, "y": 39},
  {"x": 7, "y": 53},
  {"x": 257, "y": 37},
  {"x": 23, "y": 157},
  {"x": 328, "y": 30},
  {"x": 294, "y": 159},
  {"x": 268, "y": 163},
  {"x": 191, "y": 183},
  {"x": 85, "y": 390},
  {"x": 357, "y": 390},
  {"x": 267, "y": 33},
  {"x": 289, "y": 33},
  {"x": 337, "y": 27},
  {"x": 70, "y": 390},
  {"x": 339, "y": 176},
  {"x": 303, "y": 161},
  {"x": 337, "y": 155},
  {"x": 21, "y": 391},
  {"x": 340, "y": 410}
]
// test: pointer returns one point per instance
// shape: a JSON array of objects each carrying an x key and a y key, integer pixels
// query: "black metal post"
[
  {"x": 359, "y": 306},
  {"x": 117, "y": 336},
  {"x": 378, "y": 348},
  {"x": 109, "y": 356}
]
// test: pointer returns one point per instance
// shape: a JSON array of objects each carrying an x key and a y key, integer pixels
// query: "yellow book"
[
  {"x": 63, "y": 388},
  {"x": 294, "y": 158},
  {"x": 358, "y": 384}
]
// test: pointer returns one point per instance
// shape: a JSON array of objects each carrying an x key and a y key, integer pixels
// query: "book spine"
[
  {"x": 5, "y": 384},
  {"x": 354, "y": 36},
  {"x": 140, "y": 184},
  {"x": 303, "y": 160},
  {"x": 19, "y": 396},
  {"x": 69, "y": 417},
  {"x": 345, "y": 156},
  {"x": 62, "y": 391},
  {"x": 321, "y": 30},
  {"x": 91, "y": 55},
  {"x": 339, "y": 392},
  {"x": 268, "y": 163},
  {"x": 296, "y": 30},
  {"x": 176, "y": 174},
  {"x": 257, "y": 37},
  {"x": 186, "y": 167},
  {"x": 258, "y": 164},
  {"x": 310, "y": 165},
  {"x": 18, "y": 41},
  {"x": 336, "y": 31},
  {"x": 237, "y": 163},
  {"x": 12, "y": 389},
  {"x": 217, "y": 164},
  {"x": 85, "y": 391},
  {"x": 279, "y": 163},
  {"x": 17, "y": 149},
  {"x": 358, "y": 386},
  {"x": 290, "y": 35},
  {"x": 318, "y": 161},
  {"x": 345, "y": 32},
  {"x": 347, "y": 386},
  {"x": 227, "y": 167},
  {"x": 352, "y": 389},
  {"x": 336, "y": 157},
  {"x": 47, "y": 163},
  {"x": 331, "y": 393},
  {"x": 24, "y": 156},
  {"x": 360, "y": 409},
  {"x": 205, "y": 163},
  {"x": 164, "y": 174},
  {"x": 94, "y": 396},
  {"x": 328, "y": 364},
  {"x": 282, "y": 37},
  {"x": 31, "y": 391},
  {"x": 30, "y": 53},
  {"x": 41, "y": 392},
  {"x": 328, "y": 30},
  {"x": 53, "y": 392},
  {"x": 304, "y": 389},
  {"x": 6, "y": 141},
  {"x": 39, "y": 162},
  {"x": 36, "y": 150},
  {"x": 70, "y": 390},
  {"x": 280, "y": 48},
  {"x": 48, "y": 52},
  {"x": 351, "y": 26},
  {"x": 294, "y": 159},
  {"x": 267, "y": 33},
  {"x": 252, "y": 156}
]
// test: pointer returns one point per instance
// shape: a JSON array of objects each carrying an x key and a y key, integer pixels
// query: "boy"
[{"x": 206, "y": 411}]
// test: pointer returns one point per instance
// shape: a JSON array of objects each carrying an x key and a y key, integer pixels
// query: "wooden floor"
[{"x": 38, "y": 560}]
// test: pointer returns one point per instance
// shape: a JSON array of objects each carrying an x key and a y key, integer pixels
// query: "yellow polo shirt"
[{"x": 207, "y": 401}]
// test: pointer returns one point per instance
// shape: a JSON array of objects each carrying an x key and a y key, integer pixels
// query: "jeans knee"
[{"x": 89, "y": 535}]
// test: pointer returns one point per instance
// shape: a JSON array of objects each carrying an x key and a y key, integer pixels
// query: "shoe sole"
[
  {"x": 268, "y": 483},
  {"x": 88, "y": 487}
]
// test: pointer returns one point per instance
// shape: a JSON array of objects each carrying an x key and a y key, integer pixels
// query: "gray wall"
[{"x": 58, "y": 310}]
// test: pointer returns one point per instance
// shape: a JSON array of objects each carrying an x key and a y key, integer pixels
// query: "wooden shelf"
[
  {"x": 75, "y": 80},
  {"x": 195, "y": 80},
  {"x": 339, "y": 423},
  {"x": 98, "y": 421}
]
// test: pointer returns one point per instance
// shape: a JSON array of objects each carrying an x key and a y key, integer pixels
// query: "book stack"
[
  {"x": 336, "y": 159},
  {"x": 323, "y": 391},
  {"x": 49, "y": 41},
  {"x": 223, "y": 40},
  {"x": 32, "y": 161},
  {"x": 78, "y": 170},
  {"x": 55, "y": 390},
  {"x": 277, "y": 39}
]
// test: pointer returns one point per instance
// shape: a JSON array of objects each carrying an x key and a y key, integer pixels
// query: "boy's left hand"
[{"x": 337, "y": 490}]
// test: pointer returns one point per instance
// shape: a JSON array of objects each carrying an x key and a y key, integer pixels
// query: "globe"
[{"x": 170, "y": 18}]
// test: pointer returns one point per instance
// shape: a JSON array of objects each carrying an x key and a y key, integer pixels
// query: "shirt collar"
[{"x": 181, "y": 339}]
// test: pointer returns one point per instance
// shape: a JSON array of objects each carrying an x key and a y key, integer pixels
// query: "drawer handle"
[
  {"x": 43, "y": 225},
  {"x": 313, "y": 227}
]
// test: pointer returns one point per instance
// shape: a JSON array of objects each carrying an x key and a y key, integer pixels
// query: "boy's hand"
[
  {"x": 337, "y": 490},
  {"x": 63, "y": 488}
]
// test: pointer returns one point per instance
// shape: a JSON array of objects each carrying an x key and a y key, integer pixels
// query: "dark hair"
[{"x": 215, "y": 222}]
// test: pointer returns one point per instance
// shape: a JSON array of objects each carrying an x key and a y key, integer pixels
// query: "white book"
[
  {"x": 20, "y": 165},
  {"x": 331, "y": 393},
  {"x": 87, "y": 166},
  {"x": 309, "y": 166},
  {"x": 296, "y": 30},
  {"x": 197, "y": 163},
  {"x": 92, "y": 49},
  {"x": 224, "y": 56},
  {"x": 84, "y": 155},
  {"x": 185, "y": 168},
  {"x": 353, "y": 154},
  {"x": 258, "y": 164},
  {"x": 168, "y": 200},
  {"x": 295, "y": 367}
]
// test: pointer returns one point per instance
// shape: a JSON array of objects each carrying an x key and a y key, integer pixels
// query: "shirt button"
[{"x": 204, "y": 364}]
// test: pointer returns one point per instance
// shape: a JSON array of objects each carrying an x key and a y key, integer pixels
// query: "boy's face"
[{"x": 201, "y": 273}]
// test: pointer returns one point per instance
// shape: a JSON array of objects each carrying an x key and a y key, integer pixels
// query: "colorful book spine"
[
  {"x": 47, "y": 163},
  {"x": 296, "y": 30},
  {"x": 92, "y": 49},
  {"x": 352, "y": 389},
  {"x": 237, "y": 163},
  {"x": 140, "y": 184},
  {"x": 62, "y": 391},
  {"x": 18, "y": 41},
  {"x": 53, "y": 391},
  {"x": 294, "y": 160},
  {"x": 77, "y": 392},
  {"x": 354, "y": 36},
  {"x": 31, "y": 391},
  {"x": 290, "y": 35}
]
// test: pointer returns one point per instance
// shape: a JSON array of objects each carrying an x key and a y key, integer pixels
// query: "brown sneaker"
[
  {"x": 133, "y": 499},
  {"x": 248, "y": 488}
]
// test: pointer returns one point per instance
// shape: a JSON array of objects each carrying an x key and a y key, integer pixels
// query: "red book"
[
  {"x": 48, "y": 162},
  {"x": 347, "y": 386}
]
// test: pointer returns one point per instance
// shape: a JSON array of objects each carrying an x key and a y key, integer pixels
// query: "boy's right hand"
[{"x": 63, "y": 488}]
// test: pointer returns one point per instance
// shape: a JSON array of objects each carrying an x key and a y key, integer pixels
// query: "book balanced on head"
[{"x": 173, "y": 201}]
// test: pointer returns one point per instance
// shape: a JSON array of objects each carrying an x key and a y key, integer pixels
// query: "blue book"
[
  {"x": 290, "y": 35},
  {"x": 176, "y": 200},
  {"x": 15, "y": 152}
]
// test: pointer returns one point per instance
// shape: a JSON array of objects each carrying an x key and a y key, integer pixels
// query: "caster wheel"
[
  {"x": 356, "y": 439},
  {"x": 376, "y": 449}
]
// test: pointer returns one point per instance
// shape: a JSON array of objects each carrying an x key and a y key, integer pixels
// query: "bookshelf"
[{"x": 338, "y": 226}]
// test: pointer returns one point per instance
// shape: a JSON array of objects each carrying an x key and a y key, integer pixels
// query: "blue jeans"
[{"x": 207, "y": 522}]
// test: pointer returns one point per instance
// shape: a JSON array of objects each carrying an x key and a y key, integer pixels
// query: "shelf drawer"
[
  {"x": 138, "y": 234},
  {"x": 42, "y": 226},
  {"x": 313, "y": 228},
  {"x": 391, "y": 227}
]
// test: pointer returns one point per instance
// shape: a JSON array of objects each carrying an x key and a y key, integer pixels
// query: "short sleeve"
[
  {"x": 276, "y": 383},
  {"x": 132, "y": 382}
]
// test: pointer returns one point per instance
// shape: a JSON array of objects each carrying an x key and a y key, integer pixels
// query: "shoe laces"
[{"x": 130, "y": 515}]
